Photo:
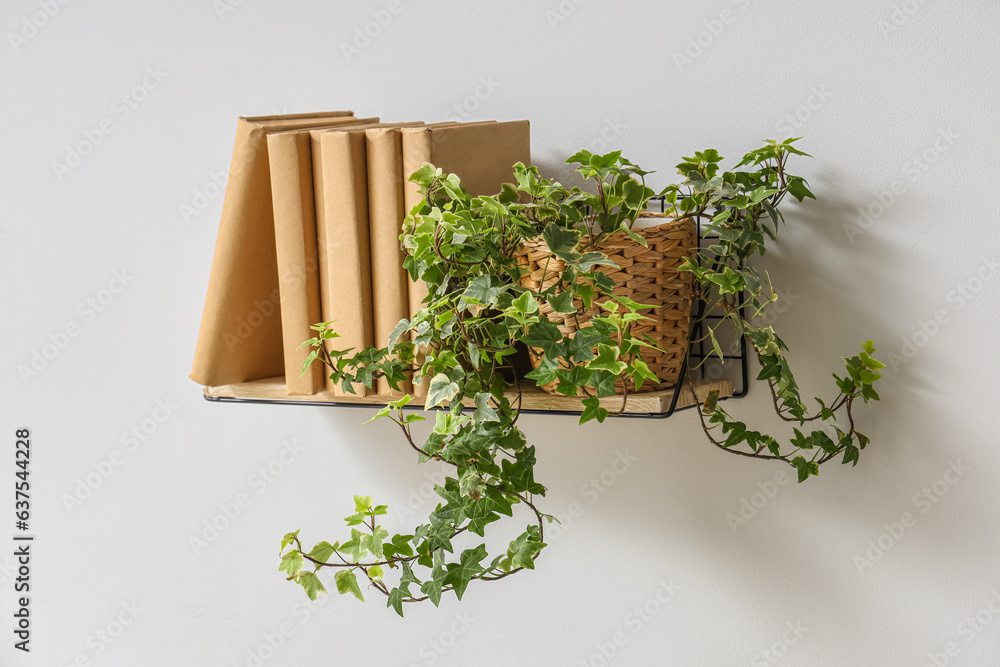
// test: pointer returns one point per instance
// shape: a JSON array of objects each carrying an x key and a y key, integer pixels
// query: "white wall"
[{"x": 879, "y": 101}]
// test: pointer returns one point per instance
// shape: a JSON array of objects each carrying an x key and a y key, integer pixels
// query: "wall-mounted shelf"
[
  {"x": 730, "y": 382},
  {"x": 651, "y": 404}
]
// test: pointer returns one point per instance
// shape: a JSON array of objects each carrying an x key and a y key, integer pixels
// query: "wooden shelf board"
[{"x": 655, "y": 402}]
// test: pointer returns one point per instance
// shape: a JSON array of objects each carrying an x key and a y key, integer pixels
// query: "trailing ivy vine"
[{"x": 476, "y": 317}]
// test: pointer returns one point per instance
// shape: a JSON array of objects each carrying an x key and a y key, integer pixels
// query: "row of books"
[{"x": 310, "y": 231}]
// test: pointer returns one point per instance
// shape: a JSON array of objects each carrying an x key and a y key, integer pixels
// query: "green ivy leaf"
[
  {"x": 632, "y": 235},
  {"x": 522, "y": 550},
  {"x": 400, "y": 545},
  {"x": 292, "y": 562},
  {"x": 440, "y": 390},
  {"x": 288, "y": 539},
  {"x": 397, "y": 331},
  {"x": 322, "y": 551},
  {"x": 525, "y": 304},
  {"x": 604, "y": 282},
  {"x": 481, "y": 291},
  {"x": 307, "y": 362},
  {"x": 382, "y": 412},
  {"x": 461, "y": 573},
  {"x": 588, "y": 260},
  {"x": 592, "y": 410},
  {"x": 546, "y": 371},
  {"x": 545, "y": 335},
  {"x": 562, "y": 302},
  {"x": 607, "y": 360},
  {"x": 823, "y": 441},
  {"x": 582, "y": 157},
  {"x": 797, "y": 188},
  {"x": 396, "y": 601},
  {"x": 311, "y": 583},
  {"x": 586, "y": 293},
  {"x": 494, "y": 501},
  {"x": 362, "y": 503},
  {"x": 562, "y": 242},
  {"x": 432, "y": 587},
  {"x": 805, "y": 468},
  {"x": 640, "y": 372},
  {"x": 603, "y": 383},
  {"x": 851, "y": 454},
  {"x": 471, "y": 485},
  {"x": 571, "y": 379},
  {"x": 347, "y": 583},
  {"x": 484, "y": 411},
  {"x": 401, "y": 402}
]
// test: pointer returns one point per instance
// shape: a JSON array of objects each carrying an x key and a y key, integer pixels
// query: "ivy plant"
[
  {"x": 741, "y": 208},
  {"x": 476, "y": 316}
]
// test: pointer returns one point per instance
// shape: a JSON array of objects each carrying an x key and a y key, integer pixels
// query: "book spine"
[
  {"x": 416, "y": 146},
  {"x": 386, "y": 210},
  {"x": 346, "y": 291},
  {"x": 290, "y": 156},
  {"x": 320, "y": 207}
]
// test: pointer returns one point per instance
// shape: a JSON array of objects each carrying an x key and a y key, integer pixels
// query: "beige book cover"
[
  {"x": 340, "y": 172},
  {"x": 346, "y": 247},
  {"x": 290, "y": 157},
  {"x": 386, "y": 210},
  {"x": 344, "y": 259},
  {"x": 483, "y": 156},
  {"x": 240, "y": 335}
]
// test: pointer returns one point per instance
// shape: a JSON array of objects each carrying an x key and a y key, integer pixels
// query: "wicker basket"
[{"x": 645, "y": 275}]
